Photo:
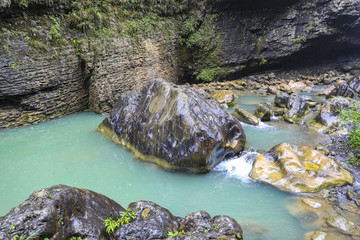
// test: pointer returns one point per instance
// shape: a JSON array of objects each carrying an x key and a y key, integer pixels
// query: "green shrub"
[
  {"x": 126, "y": 217},
  {"x": 352, "y": 116}
]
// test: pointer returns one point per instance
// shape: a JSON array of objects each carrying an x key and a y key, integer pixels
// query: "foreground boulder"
[
  {"x": 298, "y": 169},
  {"x": 176, "y": 127},
  {"x": 63, "y": 212},
  {"x": 60, "y": 212}
]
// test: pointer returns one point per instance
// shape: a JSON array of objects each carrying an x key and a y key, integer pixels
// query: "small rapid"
[{"x": 238, "y": 167}]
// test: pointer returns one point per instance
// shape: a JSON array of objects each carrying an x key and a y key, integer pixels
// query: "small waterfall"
[
  {"x": 260, "y": 126},
  {"x": 274, "y": 118},
  {"x": 238, "y": 167}
]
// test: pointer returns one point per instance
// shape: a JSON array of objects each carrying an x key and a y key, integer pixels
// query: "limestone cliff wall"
[
  {"x": 59, "y": 57},
  {"x": 42, "y": 79},
  {"x": 126, "y": 66},
  {"x": 262, "y": 35},
  {"x": 37, "y": 88}
]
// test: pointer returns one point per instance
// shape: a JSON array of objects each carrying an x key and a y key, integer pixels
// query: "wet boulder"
[
  {"x": 177, "y": 127},
  {"x": 63, "y": 212},
  {"x": 246, "y": 117},
  {"x": 281, "y": 99},
  {"x": 328, "y": 115},
  {"x": 344, "y": 225},
  {"x": 297, "y": 106},
  {"x": 299, "y": 86},
  {"x": 316, "y": 235},
  {"x": 152, "y": 222},
  {"x": 263, "y": 111},
  {"x": 60, "y": 212},
  {"x": 200, "y": 225},
  {"x": 225, "y": 98},
  {"x": 326, "y": 91},
  {"x": 298, "y": 169},
  {"x": 349, "y": 89}
]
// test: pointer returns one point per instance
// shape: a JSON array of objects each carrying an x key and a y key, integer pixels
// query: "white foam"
[
  {"x": 238, "y": 167},
  {"x": 261, "y": 125}
]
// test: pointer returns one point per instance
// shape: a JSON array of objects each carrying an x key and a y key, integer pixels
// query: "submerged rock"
[
  {"x": 176, "y": 127},
  {"x": 344, "y": 225},
  {"x": 298, "y": 169},
  {"x": 246, "y": 117},
  {"x": 63, "y": 212},
  {"x": 316, "y": 235}
]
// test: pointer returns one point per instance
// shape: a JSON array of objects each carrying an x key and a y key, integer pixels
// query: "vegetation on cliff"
[{"x": 81, "y": 24}]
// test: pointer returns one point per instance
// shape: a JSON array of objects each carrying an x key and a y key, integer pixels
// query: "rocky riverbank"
[{"x": 62, "y": 212}]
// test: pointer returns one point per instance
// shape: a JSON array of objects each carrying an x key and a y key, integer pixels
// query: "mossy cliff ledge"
[{"x": 177, "y": 127}]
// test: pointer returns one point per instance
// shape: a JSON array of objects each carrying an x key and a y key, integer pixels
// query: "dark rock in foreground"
[
  {"x": 176, "y": 127},
  {"x": 63, "y": 212}
]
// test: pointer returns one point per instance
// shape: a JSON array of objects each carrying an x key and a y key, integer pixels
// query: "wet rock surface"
[
  {"x": 349, "y": 89},
  {"x": 299, "y": 169},
  {"x": 329, "y": 112},
  {"x": 63, "y": 212},
  {"x": 60, "y": 212},
  {"x": 226, "y": 98},
  {"x": 176, "y": 127},
  {"x": 246, "y": 117},
  {"x": 336, "y": 218}
]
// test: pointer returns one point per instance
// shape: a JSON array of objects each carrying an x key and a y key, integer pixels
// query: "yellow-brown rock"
[
  {"x": 299, "y": 169},
  {"x": 224, "y": 97},
  {"x": 246, "y": 117}
]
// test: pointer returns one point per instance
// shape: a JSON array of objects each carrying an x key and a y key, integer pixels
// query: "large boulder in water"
[
  {"x": 63, "y": 212},
  {"x": 296, "y": 105},
  {"x": 176, "y": 127},
  {"x": 298, "y": 169}
]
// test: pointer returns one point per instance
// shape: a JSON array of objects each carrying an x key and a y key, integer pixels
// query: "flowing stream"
[{"x": 69, "y": 151}]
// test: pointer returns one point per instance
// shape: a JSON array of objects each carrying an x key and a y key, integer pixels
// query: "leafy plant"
[
  {"x": 56, "y": 31},
  {"x": 21, "y": 237},
  {"x": 237, "y": 236},
  {"x": 352, "y": 116},
  {"x": 126, "y": 217},
  {"x": 24, "y": 4},
  {"x": 75, "y": 238},
  {"x": 174, "y": 234}
]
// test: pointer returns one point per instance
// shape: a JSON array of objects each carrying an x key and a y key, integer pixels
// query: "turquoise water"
[
  {"x": 269, "y": 134},
  {"x": 69, "y": 151}
]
